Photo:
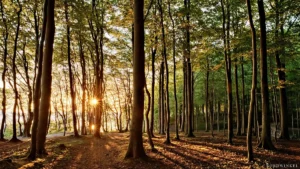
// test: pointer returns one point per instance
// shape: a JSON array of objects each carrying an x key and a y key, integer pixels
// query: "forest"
[{"x": 149, "y": 84}]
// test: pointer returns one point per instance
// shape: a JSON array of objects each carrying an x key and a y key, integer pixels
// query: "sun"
[{"x": 94, "y": 101}]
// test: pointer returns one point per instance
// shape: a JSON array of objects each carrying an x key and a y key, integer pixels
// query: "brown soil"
[{"x": 203, "y": 151}]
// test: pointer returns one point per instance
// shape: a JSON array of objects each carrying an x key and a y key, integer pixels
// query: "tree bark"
[
  {"x": 135, "y": 147},
  {"x": 254, "y": 83},
  {"x": 5, "y": 39},
  {"x": 237, "y": 101},
  {"x": 174, "y": 73},
  {"x": 281, "y": 72},
  {"x": 46, "y": 79},
  {"x": 226, "y": 41},
  {"x": 266, "y": 142},
  {"x": 28, "y": 123},
  {"x": 83, "y": 87},
  {"x": 167, "y": 98},
  {"x": 71, "y": 77},
  {"x": 37, "y": 87},
  {"x": 14, "y": 68}
]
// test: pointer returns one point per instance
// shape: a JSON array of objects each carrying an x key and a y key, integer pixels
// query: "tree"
[
  {"x": 174, "y": 73},
  {"x": 187, "y": 4},
  {"x": 37, "y": 87},
  {"x": 5, "y": 39},
  {"x": 71, "y": 77},
  {"x": 266, "y": 142},
  {"x": 165, "y": 61},
  {"x": 226, "y": 42},
  {"x": 279, "y": 12},
  {"x": 46, "y": 79},
  {"x": 254, "y": 83},
  {"x": 135, "y": 147},
  {"x": 14, "y": 71}
]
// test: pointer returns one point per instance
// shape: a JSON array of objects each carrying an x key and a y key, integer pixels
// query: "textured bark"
[
  {"x": 183, "y": 115},
  {"x": 189, "y": 94},
  {"x": 147, "y": 119},
  {"x": 83, "y": 87},
  {"x": 174, "y": 73},
  {"x": 28, "y": 122},
  {"x": 206, "y": 94},
  {"x": 254, "y": 83},
  {"x": 243, "y": 100},
  {"x": 162, "y": 100},
  {"x": 5, "y": 39},
  {"x": 14, "y": 72},
  {"x": 237, "y": 101},
  {"x": 37, "y": 87},
  {"x": 71, "y": 77},
  {"x": 226, "y": 41},
  {"x": 135, "y": 147},
  {"x": 46, "y": 80},
  {"x": 281, "y": 72},
  {"x": 167, "y": 98},
  {"x": 266, "y": 142}
]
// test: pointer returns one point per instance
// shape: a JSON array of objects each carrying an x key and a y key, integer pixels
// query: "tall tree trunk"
[
  {"x": 5, "y": 39},
  {"x": 266, "y": 142},
  {"x": 184, "y": 98},
  {"x": 71, "y": 77},
  {"x": 281, "y": 72},
  {"x": 167, "y": 141},
  {"x": 135, "y": 147},
  {"x": 14, "y": 71},
  {"x": 27, "y": 125},
  {"x": 162, "y": 100},
  {"x": 237, "y": 100},
  {"x": 243, "y": 99},
  {"x": 147, "y": 119},
  {"x": 189, "y": 94},
  {"x": 37, "y": 87},
  {"x": 174, "y": 73},
  {"x": 254, "y": 83},
  {"x": 206, "y": 94},
  {"x": 83, "y": 87},
  {"x": 46, "y": 79},
  {"x": 226, "y": 41},
  {"x": 153, "y": 52}
]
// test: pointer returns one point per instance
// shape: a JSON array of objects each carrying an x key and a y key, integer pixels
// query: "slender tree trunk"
[
  {"x": 14, "y": 71},
  {"x": 153, "y": 50},
  {"x": 46, "y": 79},
  {"x": 226, "y": 41},
  {"x": 167, "y": 141},
  {"x": 184, "y": 98},
  {"x": 254, "y": 83},
  {"x": 83, "y": 87},
  {"x": 206, "y": 94},
  {"x": 243, "y": 99},
  {"x": 5, "y": 39},
  {"x": 147, "y": 119},
  {"x": 37, "y": 87},
  {"x": 266, "y": 142},
  {"x": 174, "y": 73},
  {"x": 27, "y": 125},
  {"x": 135, "y": 147},
  {"x": 237, "y": 101},
  {"x": 189, "y": 88},
  {"x": 71, "y": 77},
  {"x": 281, "y": 73},
  {"x": 162, "y": 100}
]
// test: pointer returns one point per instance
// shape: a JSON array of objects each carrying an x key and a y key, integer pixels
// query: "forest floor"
[{"x": 203, "y": 151}]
